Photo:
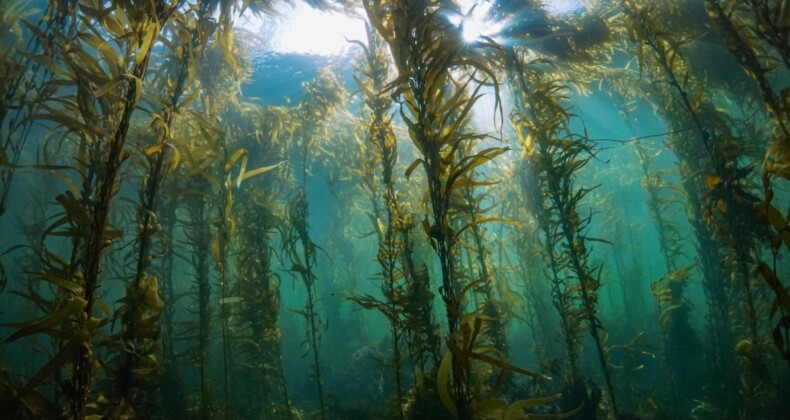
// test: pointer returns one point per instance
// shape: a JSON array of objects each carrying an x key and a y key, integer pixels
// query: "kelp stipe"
[
  {"x": 554, "y": 155},
  {"x": 378, "y": 145},
  {"x": 253, "y": 299},
  {"x": 21, "y": 78},
  {"x": 471, "y": 193},
  {"x": 716, "y": 182},
  {"x": 198, "y": 240},
  {"x": 754, "y": 35},
  {"x": 137, "y": 366},
  {"x": 100, "y": 120},
  {"x": 323, "y": 96},
  {"x": 434, "y": 106},
  {"x": 681, "y": 344}
]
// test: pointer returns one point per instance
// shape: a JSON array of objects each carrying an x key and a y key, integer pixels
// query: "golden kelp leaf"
[
  {"x": 65, "y": 354},
  {"x": 215, "y": 248},
  {"x": 241, "y": 153},
  {"x": 412, "y": 167},
  {"x": 777, "y": 160},
  {"x": 150, "y": 288},
  {"x": 466, "y": 182},
  {"x": 254, "y": 172},
  {"x": 61, "y": 282},
  {"x": 471, "y": 162},
  {"x": 107, "y": 87},
  {"x": 442, "y": 378},
  {"x": 679, "y": 275},
  {"x": 534, "y": 402},
  {"x": 506, "y": 366},
  {"x": 231, "y": 299},
  {"x": 46, "y": 322},
  {"x": 782, "y": 295},
  {"x": 192, "y": 96},
  {"x": 114, "y": 26},
  {"x": 155, "y": 149},
  {"x": 775, "y": 218},
  {"x": 174, "y": 161},
  {"x": 101, "y": 306},
  {"x": 712, "y": 181},
  {"x": 150, "y": 31}
]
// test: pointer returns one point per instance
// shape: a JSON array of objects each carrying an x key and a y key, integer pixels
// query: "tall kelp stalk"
[
  {"x": 530, "y": 267},
  {"x": 435, "y": 68},
  {"x": 563, "y": 301},
  {"x": 681, "y": 343},
  {"x": 406, "y": 297},
  {"x": 555, "y": 154},
  {"x": 173, "y": 395},
  {"x": 93, "y": 105},
  {"x": 198, "y": 236},
  {"x": 254, "y": 296},
  {"x": 208, "y": 167},
  {"x": 471, "y": 194},
  {"x": 714, "y": 176},
  {"x": 378, "y": 142},
  {"x": 755, "y": 32},
  {"x": 26, "y": 82},
  {"x": 322, "y": 96},
  {"x": 138, "y": 339},
  {"x": 198, "y": 143},
  {"x": 225, "y": 227},
  {"x": 257, "y": 290},
  {"x": 176, "y": 84}
]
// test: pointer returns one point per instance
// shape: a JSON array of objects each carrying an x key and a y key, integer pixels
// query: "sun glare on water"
[{"x": 303, "y": 30}]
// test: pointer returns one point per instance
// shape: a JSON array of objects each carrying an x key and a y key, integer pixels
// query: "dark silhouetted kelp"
[{"x": 504, "y": 209}]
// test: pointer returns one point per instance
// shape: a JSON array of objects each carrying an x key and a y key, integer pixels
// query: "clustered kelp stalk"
[
  {"x": 99, "y": 121},
  {"x": 722, "y": 209},
  {"x": 681, "y": 344},
  {"x": 142, "y": 306},
  {"x": 144, "y": 265},
  {"x": 555, "y": 154},
  {"x": 750, "y": 46},
  {"x": 379, "y": 142},
  {"x": 434, "y": 69},
  {"x": 198, "y": 237},
  {"x": 21, "y": 79},
  {"x": 323, "y": 96}
]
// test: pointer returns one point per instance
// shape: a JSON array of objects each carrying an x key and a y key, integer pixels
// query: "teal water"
[{"x": 577, "y": 210}]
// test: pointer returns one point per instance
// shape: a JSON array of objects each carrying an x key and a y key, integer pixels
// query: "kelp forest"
[{"x": 480, "y": 209}]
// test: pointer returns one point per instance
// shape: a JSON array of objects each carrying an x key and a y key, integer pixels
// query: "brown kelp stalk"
[
  {"x": 556, "y": 154},
  {"x": 225, "y": 230},
  {"x": 426, "y": 49},
  {"x": 470, "y": 204},
  {"x": 171, "y": 383},
  {"x": 139, "y": 336},
  {"x": 323, "y": 95},
  {"x": 746, "y": 30},
  {"x": 674, "y": 310},
  {"x": 24, "y": 81},
  {"x": 198, "y": 237},
  {"x": 195, "y": 178},
  {"x": 96, "y": 107},
  {"x": 380, "y": 142},
  {"x": 720, "y": 207},
  {"x": 146, "y": 23},
  {"x": 258, "y": 309}
]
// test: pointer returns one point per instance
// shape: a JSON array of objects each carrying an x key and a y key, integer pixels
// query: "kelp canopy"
[{"x": 482, "y": 210}]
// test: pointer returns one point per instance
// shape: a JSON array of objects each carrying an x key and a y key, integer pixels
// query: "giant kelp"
[{"x": 146, "y": 273}]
